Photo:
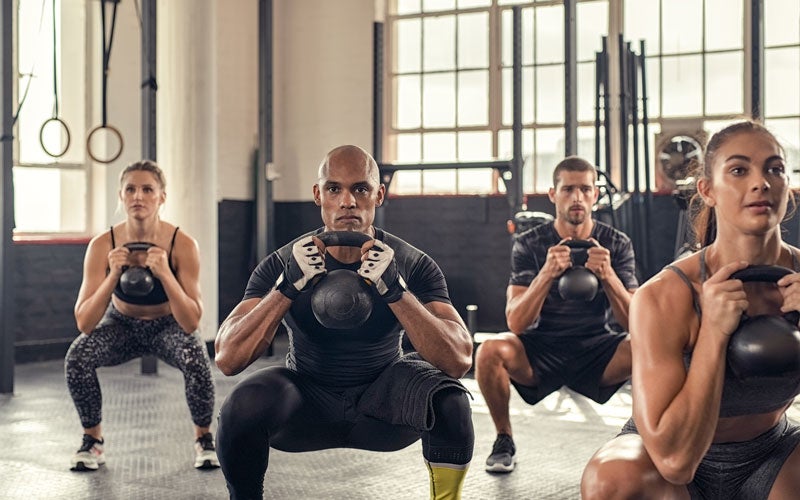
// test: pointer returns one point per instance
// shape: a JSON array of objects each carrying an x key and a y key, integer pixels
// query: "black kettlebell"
[
  {"x": 765, "y": 345},
  {"x": 341, "y": 299},
  {"x": 136, "y": 281},
  {"x": 577, "y": 282}
]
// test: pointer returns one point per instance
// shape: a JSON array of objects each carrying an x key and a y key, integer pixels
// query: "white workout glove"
[
  {"x": 305, "y": 263},
  {"x": 380, "y": 269}
]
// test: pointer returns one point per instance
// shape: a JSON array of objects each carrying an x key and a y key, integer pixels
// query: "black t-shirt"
[
  {"x": 571, "y": 317},
  {"x": 346, "y": 358}
]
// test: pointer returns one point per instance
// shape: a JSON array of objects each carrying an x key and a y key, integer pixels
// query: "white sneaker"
[
  {"x": 205, "y": 453},
  {"x": 89, "y": 456}
]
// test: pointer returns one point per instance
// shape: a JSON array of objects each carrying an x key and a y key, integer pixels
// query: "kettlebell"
[
  {"x": 341, "y": 299},
  {"x": 136, "y": 281},
  {"x": 764, "y": 345},
  {"x": 577, "y": 282}
]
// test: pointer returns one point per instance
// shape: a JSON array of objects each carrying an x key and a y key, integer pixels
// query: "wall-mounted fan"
[{"x": 677, "y": 155}]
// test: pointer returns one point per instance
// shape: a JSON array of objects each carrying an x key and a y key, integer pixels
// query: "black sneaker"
[
  {"x": 205, "y": 453},
  {"x": 89, "y": 456},
  {"x": 503, "y": 455}
]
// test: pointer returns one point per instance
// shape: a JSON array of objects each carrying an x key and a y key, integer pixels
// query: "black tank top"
[
  {"x": 158, "y": 295},
  {"x": 739, "y": 397}
]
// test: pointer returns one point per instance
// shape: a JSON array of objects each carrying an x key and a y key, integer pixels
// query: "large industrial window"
[
  {"x": 450, "y": 87},
  {"x": 50, "y": 176},
  {"x": 782, "y": 76}
]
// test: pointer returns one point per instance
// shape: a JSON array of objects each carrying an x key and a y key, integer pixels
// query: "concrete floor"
[{"x": 149, "y": 445}]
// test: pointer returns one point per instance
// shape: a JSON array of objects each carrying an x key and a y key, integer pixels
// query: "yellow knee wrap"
[{"x": 446, "y": 480}]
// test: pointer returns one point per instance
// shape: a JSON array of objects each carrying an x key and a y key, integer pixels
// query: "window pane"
[
  {"x": 587, "y": 92},
  {"x": 787, "y": 131},
  {"x": 780, "y": 22},
  {"x": 724, "y": 83},
  {"x": 475, "y": 181},
  {"x": 473, "y": 98},
  {"x": 507, "y": 48},
  {"x": 409, "y": 148},
  {"x": 682, "y": 26},
  {"x": 433, "y": 5},
  {"x": 527, "y": 96},
  {"x": 408, "y": 101},
  {"x": 724, "y": 24},
  {"x": 408, "y": 6},
  {"x": 550, "y": 94},
  {"x": 473, "y": 40},
  {"x": 549, "y": 151},
  {"x": 49, "y": 200},
  {"x": 407, "y": 182},
  {"x": 782, "y": 72},
  {"x": 468, "y": 4},
  {"x": 683, "y": 94},
  {"x": 438, "y": 181},
  {"x": 586, "y": 138},
  {"x": 439, "y": 100},
  {"x": 592, "y": 25},
  {"x": 549, "y": 34},
  {"x": 439, "y": 47},
  {"x": 439, "y": 147},
  {"x": 653, "y": 87},
  {"x": 408, "y": 39},
  {"x": 505, "y": 144},
  {"x": 642, "y": 21},
  {"x": 475, "y": 146}
]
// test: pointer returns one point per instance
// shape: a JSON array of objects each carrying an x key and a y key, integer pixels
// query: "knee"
[
  {"x": 493, "y": 354},
  {"x": 612, "y": 479},
  {"x": 452, "y": 410},
  {"x": 263, "y": 402},
  {"x": 76, "y": 356}
]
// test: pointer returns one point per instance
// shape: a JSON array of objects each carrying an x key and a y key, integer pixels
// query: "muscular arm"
[
  {"x": 248, "y": 331},
  {"x": 524, "y": 303},
  {"x": 97, "y": 286},
  {"x": 437, "y": 332},
  {"x": 676, "y": 411},
  {"x": 619, "y": 298},
  {"x": 183, "y": 288}
]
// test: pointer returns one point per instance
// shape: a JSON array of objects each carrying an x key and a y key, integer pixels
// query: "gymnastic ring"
[
  {"x": 112, "y": 129},
  {"x": 41, "y": 136}
]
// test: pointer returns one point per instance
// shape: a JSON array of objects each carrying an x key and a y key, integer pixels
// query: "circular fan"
[{"x": 676, "y": 156}]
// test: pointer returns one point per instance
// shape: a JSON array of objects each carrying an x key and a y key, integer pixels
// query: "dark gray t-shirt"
[
  {"x": 571, "y": 317},
  {"x": 345, "y": 358}
]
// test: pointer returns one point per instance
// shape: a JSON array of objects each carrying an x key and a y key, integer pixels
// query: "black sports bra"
[
  {"x": 738, "y": 397},
  {"x": 158, "y": 295}
]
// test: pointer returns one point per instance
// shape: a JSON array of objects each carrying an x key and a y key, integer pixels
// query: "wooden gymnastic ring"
[
  {"x": 116, "y": 132},
  {"x": 41, "y": 136}
]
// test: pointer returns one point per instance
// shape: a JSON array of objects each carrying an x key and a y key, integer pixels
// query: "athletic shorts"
[
  {"x": 574, "y": 362},
  {"x": 744, "y": 470}
]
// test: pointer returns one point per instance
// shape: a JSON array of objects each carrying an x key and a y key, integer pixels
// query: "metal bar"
[
  {"x": 264, "y": 216},
  {"x": 394, "y": 167},
  {"x": 606, "y": 108},
  {"x": 597, "y": 90},
  {"x": 757, "y": 59},
  {"x": 7, "y": 248},
  {"x": 623, "y": 115},
  {"x": 570, "y": 80},
  {"x": 377, "y": 108},
  {"x": 149, "y": 363},
  {"x": 648, "y": 199},
  {"x": 515, "y": 194}
]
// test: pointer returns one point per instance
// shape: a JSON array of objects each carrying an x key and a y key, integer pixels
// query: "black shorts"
[
  {"x": 575, "y": 362},
  {"x": 744, "y": 470}
]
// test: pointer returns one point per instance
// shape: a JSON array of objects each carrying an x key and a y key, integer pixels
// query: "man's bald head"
[{"x": 349, "y": 155}]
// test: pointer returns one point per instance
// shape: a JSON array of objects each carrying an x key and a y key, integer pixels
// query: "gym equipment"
[
  {"x": 526, "y": 219},
  {"x": 577, "y": 282},
  {"x": 341, "y": 299},
  {"x": 55, "y": 118},
  {"x": 765, "y": 345},
  {"x": 136, "y": 281},
  {"x": 108, "y": 40}
]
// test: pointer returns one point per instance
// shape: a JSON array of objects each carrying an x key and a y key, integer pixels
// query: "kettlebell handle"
[
  {"x": 578, "y": 244},
  {"x": 765, "y": 274},
  {"x": 138, "y": 246},
  {"x": 343, "y": 238}
]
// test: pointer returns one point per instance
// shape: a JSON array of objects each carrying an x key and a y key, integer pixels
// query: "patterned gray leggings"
[{"x": 120, "y": 338}]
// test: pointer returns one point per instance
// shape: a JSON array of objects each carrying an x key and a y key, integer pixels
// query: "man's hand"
[
  {"x": 303, "y": 265},
  {"x": 380, "y": 269}
]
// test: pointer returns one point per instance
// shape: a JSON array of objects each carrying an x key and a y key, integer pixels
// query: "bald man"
[{"x": 352, "y": 387}]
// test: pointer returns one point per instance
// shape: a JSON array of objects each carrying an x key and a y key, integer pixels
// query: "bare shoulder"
[
  {"x": 100, "y": 242},
  {"x": 668, "y": 290}
]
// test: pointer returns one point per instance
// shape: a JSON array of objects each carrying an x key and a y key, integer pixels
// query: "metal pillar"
[
  {"x": 757, "y": 59},
  {"x": 149, "y": 363},
  {"x": 265, "y": 212},
  {"x": 570, "y": 80},
  {"x": 7, "y": 247}
]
